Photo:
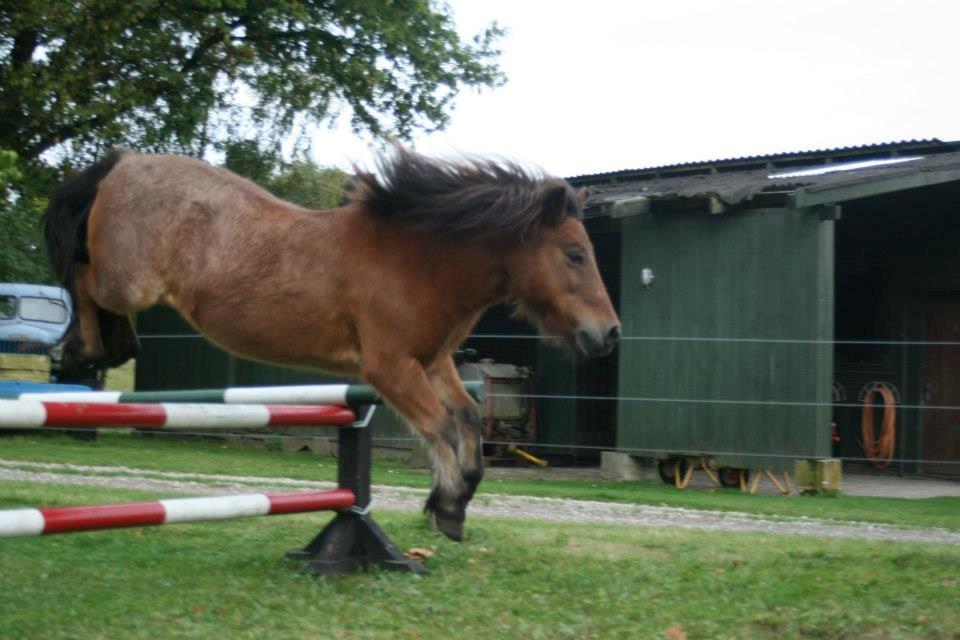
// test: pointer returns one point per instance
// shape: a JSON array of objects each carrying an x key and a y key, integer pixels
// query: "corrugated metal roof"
[
  {"x": 739, "y": 179},
  {"x": 784, "y": 159}
]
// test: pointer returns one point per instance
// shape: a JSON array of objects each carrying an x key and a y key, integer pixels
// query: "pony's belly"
[
  {"x": 330, "y": 353},
  {"x": 342, "y": 361},
  {"x": 293, "y": 335}
]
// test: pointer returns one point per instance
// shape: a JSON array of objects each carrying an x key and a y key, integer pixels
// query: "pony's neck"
[{"x": 492, "y": 283}]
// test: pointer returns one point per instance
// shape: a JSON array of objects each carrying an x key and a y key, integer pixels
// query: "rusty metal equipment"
[{"x": 507, "y": 407}]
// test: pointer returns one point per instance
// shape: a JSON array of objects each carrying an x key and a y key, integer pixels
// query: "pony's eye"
[{"x": 576, "y": 259}]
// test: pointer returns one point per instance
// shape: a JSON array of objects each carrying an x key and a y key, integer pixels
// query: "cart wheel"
[
  {"x": 730, "y": 476},
  {"x": 667, "y": 467}
]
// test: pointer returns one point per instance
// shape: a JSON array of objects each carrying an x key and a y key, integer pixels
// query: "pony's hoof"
[
  {"x": 73, "y": 358},
  {"x": 448, "y": 519},
  {"x": 450, "y": 526}
]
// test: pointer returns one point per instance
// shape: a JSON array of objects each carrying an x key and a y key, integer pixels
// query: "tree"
[
  {"x": 250, "y": 159},
  {"x": 21, "y": 242},
  {"x": 8, "y": 173},
  {"x": 309, "y": 185},
  {"x": 21, "y": 257},
  {"x": 8, "y": 168},
  {"x": 168, "y": 75},
  {"x": 301, "y": 181}
]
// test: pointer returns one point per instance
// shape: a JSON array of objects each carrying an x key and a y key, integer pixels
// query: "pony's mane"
[{"x": 471, "y": 197}]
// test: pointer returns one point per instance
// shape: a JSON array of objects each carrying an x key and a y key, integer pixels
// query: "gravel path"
[{"x": 504, "y": 506}]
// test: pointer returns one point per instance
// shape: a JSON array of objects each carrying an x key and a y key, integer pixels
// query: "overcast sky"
[{"x": 606, "y": 85}]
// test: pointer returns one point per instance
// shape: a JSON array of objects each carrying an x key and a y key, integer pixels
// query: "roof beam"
[
  {"x": 827, "y": 194},
  {"x": 626, "y": 207}
]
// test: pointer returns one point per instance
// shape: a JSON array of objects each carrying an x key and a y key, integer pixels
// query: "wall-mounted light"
[{"x": 646, "y": 277}]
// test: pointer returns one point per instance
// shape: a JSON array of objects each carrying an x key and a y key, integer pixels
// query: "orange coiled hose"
[{"x": 879, "y": 450}]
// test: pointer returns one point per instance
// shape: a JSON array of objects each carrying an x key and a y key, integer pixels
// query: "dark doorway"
[
  {"x": 596, "y": 379},
  {"x": 897, "y": 304},
  {"x": 941, "y": 427}
]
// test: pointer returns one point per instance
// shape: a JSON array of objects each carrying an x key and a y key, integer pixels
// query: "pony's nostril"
[
  {"x": 588, "y": 342},
  {"x": 614, "y": 334},
  {"x": 592, "y": 341}
]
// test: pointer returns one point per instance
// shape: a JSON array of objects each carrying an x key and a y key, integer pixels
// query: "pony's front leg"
[
  {"x": 404, "y": 385},
  {"x": 463, "y": 408}
]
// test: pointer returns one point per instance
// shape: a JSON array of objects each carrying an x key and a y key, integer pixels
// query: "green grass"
[
  {"x": 164, "y": 454},
  {"x": 510, "y": 579}
]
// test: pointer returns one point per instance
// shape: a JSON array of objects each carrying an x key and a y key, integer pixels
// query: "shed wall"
[{"x": 708, "y": 370}]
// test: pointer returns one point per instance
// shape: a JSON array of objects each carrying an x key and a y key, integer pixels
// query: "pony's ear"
[
  {"x": 558, "y": 203},
  {"x": 582, "y": 194}
]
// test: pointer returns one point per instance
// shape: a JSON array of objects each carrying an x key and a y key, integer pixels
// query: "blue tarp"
[{"x": 8, "y": 387}]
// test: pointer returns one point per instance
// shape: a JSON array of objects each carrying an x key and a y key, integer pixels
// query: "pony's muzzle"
[{"x": 593, "y": 342}]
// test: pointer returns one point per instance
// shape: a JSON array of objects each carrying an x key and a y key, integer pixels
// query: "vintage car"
[{"x": 32, "y": 316}]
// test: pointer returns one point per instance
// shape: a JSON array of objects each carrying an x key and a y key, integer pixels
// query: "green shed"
[{"x": 763, "y": 298}]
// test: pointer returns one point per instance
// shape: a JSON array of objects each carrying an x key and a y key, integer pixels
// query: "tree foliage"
[
  {"x": 8, "y": 173},
  {"x": 251, "y": 160},
  {"x": 168, "y": 75},
  {"x": 21, "y": 242},
  {"x": 309, "y": 185},
  {"x": 301, "y": 181},
  {"x": 21, "y": 254}
]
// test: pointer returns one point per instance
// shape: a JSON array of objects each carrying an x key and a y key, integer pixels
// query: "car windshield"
[
  {"x": 8, "y": 307},
  {"x": 43, "y": 310}
]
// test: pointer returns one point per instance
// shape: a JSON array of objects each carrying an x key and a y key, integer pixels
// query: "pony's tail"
[
  {"x": 65, "y": 220},
  {"x": 65, "y": 232}
]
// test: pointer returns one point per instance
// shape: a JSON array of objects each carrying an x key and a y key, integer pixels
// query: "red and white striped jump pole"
[
  {"x": 32, "y": 414},
  {"x": 34, "y": 522},
  {"x": 351, "y": 540}
]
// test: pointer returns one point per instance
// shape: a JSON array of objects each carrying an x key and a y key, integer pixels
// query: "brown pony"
[{"x": 385, "y": 287}]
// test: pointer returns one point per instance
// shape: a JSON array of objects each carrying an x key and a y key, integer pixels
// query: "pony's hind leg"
[
  {"x": 82, "y": 345},
  {"x": 404, "y": 385},
  {"x": 97, "y": 338},
  {"x": 119, "y": 338}
]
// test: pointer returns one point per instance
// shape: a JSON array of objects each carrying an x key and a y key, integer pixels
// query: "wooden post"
[{"x": 818, "y": 476}]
